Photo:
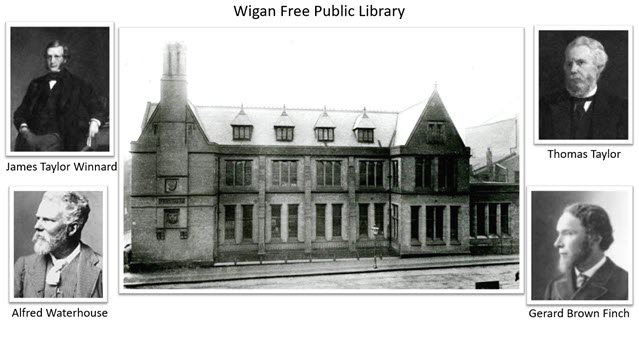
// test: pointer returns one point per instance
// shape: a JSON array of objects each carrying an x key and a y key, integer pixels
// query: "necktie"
[
  {"x": 53, "y": 276},
  {"x": 580, "y": 109},
  {"x": 581, "y": 280}
]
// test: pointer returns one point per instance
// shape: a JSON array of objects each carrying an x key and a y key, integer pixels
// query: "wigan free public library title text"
[{"x": 254, "y": 12}]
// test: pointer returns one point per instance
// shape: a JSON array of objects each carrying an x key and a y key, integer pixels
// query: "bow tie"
[
  {"x": 57, "y": 76},
  {"x": 582, "y": 100}
]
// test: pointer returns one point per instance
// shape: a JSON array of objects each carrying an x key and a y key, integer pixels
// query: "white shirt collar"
[
  {"x": 67, "y": 259},
  {"x": 591, "y": 93},
  {"x": 590, "y": 272}
]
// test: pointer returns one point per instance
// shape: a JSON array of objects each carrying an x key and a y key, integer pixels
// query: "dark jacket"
[
  {"x": 610, "y": 282},
  {"x": 77, "y": 105},
  {"x": 607, "y": 116},
  {"x": 30, "y": 275}
]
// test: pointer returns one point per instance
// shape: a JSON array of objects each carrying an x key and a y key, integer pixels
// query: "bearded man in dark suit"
[
  {"x": 584, "y": 233},
  {"x": 59, "y": 111},
  {"x": 582, "y": 111}
]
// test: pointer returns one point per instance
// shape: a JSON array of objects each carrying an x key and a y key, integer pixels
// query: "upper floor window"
[
  {"x": 371, "y": 173},
  {"x": 242, "y": 132},
  {"x": 395, "y": 173},
  {"x": 239, "y": 172},
  {"x": 437, "y": 173},
  {"x": 365, "y": 135},
  {"x": 284, "y": 133},
  {"x": 284, "y": 173},
  {"x": 329, "y": 173},
  {"x": 325, "y": 134},
  {"x": 435, "y": 132},
  {"x": 423, "y": 172}
]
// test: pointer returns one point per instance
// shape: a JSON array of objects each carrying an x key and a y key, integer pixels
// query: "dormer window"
[
  {"x": 242, "y": 132},
  {"x": 284, "y": 127},
  {"x": 325, "y": 134},
  {"x": 365, "y": 135},
  {"x": 325, "y": 128},
  {"x": 284, "y": 133},
  {"x": 435, "y": 132},
  {"x": 364, "y": 128},
  {"x": 242, "y": 126}
]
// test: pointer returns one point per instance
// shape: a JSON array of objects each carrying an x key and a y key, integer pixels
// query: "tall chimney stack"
[{"x": 173, "y": 95}]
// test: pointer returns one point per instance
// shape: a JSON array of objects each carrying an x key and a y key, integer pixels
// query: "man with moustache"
[
  {"x": 62, "y": 266},
  {"x": 584, "y": 233},
  {"x": 59, "y": 111},
  {"x": 582, "y": 111}
]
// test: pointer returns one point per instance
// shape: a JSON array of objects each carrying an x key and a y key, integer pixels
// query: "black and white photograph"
[
  {"x": 305, "y": 160},
  {"x": 583, "y": 85},
  {"x": 580, "y": 245},
  {"x": 59, "y": 89},
  {"x": 58, "y": 244}
]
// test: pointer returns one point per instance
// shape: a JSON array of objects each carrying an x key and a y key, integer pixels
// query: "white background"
[{"x": 319, "y": 318}]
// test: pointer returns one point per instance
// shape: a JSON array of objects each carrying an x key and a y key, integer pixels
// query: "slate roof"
[
  {"x": 214, "y": 119},
  {"x": 284, "y": 120},
  {"x": 363, "y": 122},
  {"x": 391, "y": 128},
  {"x": 241, "y": 118}
]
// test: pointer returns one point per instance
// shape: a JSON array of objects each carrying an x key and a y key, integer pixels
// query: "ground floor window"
[
  {"x": 276, "y": 220},
  {"x": 320, "y": 221},
  {"x": 435, "y": 222},
  {"x": 337, "y": 220},
  {"x": 505, "y": 224},
  {"x": 414, "y": 222},
  {"x": 363, "y": 220},
  {"x": 292, "y": 220},
  {"x": 247, "y": 222},
  {"x": 454, "y": 223},
  {"x": 229, "y": 222}
]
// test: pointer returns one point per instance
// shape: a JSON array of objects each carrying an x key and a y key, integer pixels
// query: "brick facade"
[{"x": 198, "y": 195}]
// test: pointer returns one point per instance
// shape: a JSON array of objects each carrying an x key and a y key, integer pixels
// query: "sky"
[{"x": 479, "y": 72}]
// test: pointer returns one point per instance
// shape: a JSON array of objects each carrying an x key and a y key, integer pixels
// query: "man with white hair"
[
  {"x": 62, "y": 266},
  {"x": 582, "y": 111}
]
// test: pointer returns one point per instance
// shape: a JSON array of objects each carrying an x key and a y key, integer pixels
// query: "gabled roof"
[
  {"x": 363, "y": 122},
  {"x": 412, "y": 128},
  {"x": 242, "y": 118},
  {"x": 324, "y": 121},
  {"x": 284, "y": 120}
]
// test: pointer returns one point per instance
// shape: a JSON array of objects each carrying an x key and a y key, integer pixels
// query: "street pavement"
[{"x": 453, "y": 272}]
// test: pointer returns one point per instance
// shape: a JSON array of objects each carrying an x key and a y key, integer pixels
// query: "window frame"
[
  {"x": 247, "y": 172},
  {"x": 292, "y": 167},
  {"x": 242, "y": 132},
  {"x": 374, "y": 178},
  {"x": 284, "y": 134},
  {"x": 325, "y": 134}
]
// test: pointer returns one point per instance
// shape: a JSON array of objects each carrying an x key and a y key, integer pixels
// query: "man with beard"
[
  {"x": 62, "y": 266},
  {"x": 583, "y": 111},
  {"x": 59, "y": 111},
  {"x": 584, "y": 234}
]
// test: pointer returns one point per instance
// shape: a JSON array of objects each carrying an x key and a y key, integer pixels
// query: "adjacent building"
[{"x": 225, "y": 183}]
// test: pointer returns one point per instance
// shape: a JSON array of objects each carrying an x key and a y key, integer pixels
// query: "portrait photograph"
[
  {"x": 583, "y": 85},
  {"x": 58, "y": 241},
  {"x": 60, "y": 89},
  {"x": 580, "y": 245}
]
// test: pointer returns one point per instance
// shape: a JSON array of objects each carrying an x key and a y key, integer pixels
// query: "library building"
[{"x": 233, "y": 183}]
